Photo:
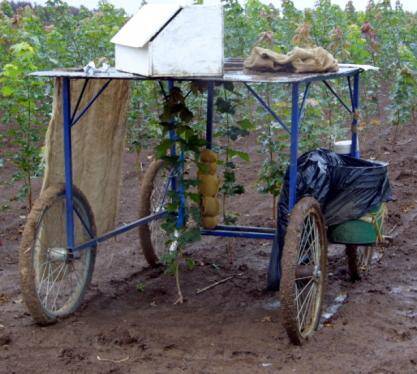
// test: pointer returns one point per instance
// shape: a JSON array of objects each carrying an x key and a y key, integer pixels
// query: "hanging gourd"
[{"x": 208, "y": 189}]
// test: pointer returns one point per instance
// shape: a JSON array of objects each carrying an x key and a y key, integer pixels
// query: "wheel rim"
[
  {"x": 158, "y": 201},
  {"x": 60, "y": 279},
  {"x": 309, "y": 277}
]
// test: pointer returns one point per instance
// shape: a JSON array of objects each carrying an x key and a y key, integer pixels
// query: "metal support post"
[
  {"x": 295, "y": 117},
  {"x": 172, "y": 137},
  {"x": 354, "y": 152},
  {"x": 69, "y": 206},
  {"x": 209, "y": 124}
]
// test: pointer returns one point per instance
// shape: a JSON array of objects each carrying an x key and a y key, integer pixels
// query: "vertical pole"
[
  {"x": 294, "y": 145},
  {"x": 69, "y": 206},
  {"x": 354, "y": 152},
  {"x": 172, "y": 136},
  {"x": 178, "y": 189},
  {"x": 209, "y": 123},
  {"x": 181, "y": 194}
]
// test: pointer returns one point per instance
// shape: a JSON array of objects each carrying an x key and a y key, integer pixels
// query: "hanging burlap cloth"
[
  {"x": 98, "y": 141},
  {"x": 299, "y": 60}
]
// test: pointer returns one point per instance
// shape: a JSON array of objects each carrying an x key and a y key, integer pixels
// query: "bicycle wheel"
[
  {"x": 53, "y": 281},
  {"x": 304, "y": 270},
  {"x": 153, "y": 198}
]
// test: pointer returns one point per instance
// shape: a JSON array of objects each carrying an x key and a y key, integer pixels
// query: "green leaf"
[
  {"x": 234, "y": 153},
  {"x": 7, "y": 91}
]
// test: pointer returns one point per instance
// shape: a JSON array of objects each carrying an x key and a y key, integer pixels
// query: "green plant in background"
[
  {"x": 26, "y": 128},
  {"x": 230, "y": 129},
  {"x": 404, "y": 100},
  {"x": 273, "y": 142},
  {"x": 143, "y": 121}
]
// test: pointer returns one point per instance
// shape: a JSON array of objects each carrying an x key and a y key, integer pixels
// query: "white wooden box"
[{"x": 172, "y": 40}]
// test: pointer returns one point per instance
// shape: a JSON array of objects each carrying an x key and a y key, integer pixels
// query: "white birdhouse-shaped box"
[{"x": 172, "y": 41}]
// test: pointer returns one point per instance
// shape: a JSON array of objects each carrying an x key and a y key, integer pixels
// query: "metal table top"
[{"x": 233, "y": 72}]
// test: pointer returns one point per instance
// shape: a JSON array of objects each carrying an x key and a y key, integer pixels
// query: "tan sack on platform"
[
  {"x": 98, "y": 141},
  {"x": 299, "y": 60}
]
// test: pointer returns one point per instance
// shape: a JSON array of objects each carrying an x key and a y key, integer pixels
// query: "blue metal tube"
[
  {"x": 305, "y": 96},
  {"x": 355, "y": 104},
  {"x": 181, "y": 193},
  {"x": 294, "y": 145},
  {"x": 69, "y": 206},
  {"x": 209, "y": 124},
  {"x": 268, "y": 109},
  {"x": 92, "y": 101},
  {"x": 172, "y": 137},
  {"x": 350, "y": 92},
  {"x": 239, "y": 234},
  {"x": 120, "y": 230},
  {"x": 330, "y": 88},
  {"x": 268, "y": 230},
  {"x": 77, "y": 105},
  {"x": 180, "y": 188}
]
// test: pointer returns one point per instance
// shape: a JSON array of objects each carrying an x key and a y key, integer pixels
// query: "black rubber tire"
[
  {"x": 307, "y": 206},
  {"x": 358, "y": 263},
  {"x": 145, "y": 231},
  {"x": 47, "y": 199}
]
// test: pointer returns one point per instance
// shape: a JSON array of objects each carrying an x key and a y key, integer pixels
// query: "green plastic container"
[{"x": 364, "y": 231}]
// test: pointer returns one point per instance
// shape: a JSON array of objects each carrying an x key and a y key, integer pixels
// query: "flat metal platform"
[{"x": 233, "y": 72}]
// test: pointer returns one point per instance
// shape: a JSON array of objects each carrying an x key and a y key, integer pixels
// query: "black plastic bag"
[{"x": 345, "y": 187}]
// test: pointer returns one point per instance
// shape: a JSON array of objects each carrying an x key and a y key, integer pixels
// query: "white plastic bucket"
[{"x": 343, "y": 147}]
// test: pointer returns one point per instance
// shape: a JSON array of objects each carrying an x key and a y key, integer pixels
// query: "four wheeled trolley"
[{"x": 55, "y": 273}]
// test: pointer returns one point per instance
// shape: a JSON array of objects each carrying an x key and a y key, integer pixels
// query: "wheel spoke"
[
  {"x": 304, "y": 301},
  {"x": 59, "y": 287},
  {"x": 304, "y": 288},
  {"x": 53, "y": 284},
  {"x": 305, "y": 246},
  {"x": 303, "y": 278},
  {"x": 308, "y": 309}
]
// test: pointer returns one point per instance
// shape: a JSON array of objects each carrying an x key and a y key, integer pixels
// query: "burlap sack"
[
  {"x": 299, "y": 60},
  {"x": 97, "y": 146}
]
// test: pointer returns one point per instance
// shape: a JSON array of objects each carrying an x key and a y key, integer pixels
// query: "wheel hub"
[
  {"x": 58, "y": 254},
  {"x": 316, "y": 273}
]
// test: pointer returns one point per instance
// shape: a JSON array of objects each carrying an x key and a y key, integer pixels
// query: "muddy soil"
[{"x": 236, "y": 326}]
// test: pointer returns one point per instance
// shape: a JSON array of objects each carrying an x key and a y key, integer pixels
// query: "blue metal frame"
[
  {"x": 238, "y": 234},
  {"x": 172, "y": 135},
  {"x": 355, "y": 107},
  {"x": 69, "y": 202},
  {"x": 120, "y": 230},
  {"x": 305, "y": 96},
  {"x": 265, "y": 233},
  {"x": 267, "y": 108},
  {"x": 209, "y": 124},
  {"x": 75, "y": 120},
  {"x": 330, "y": 88},
  {"x": 295, "y": 119}
]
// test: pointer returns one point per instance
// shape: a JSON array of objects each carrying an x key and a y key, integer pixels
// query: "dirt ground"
[{"x": 236, "y": 326}]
